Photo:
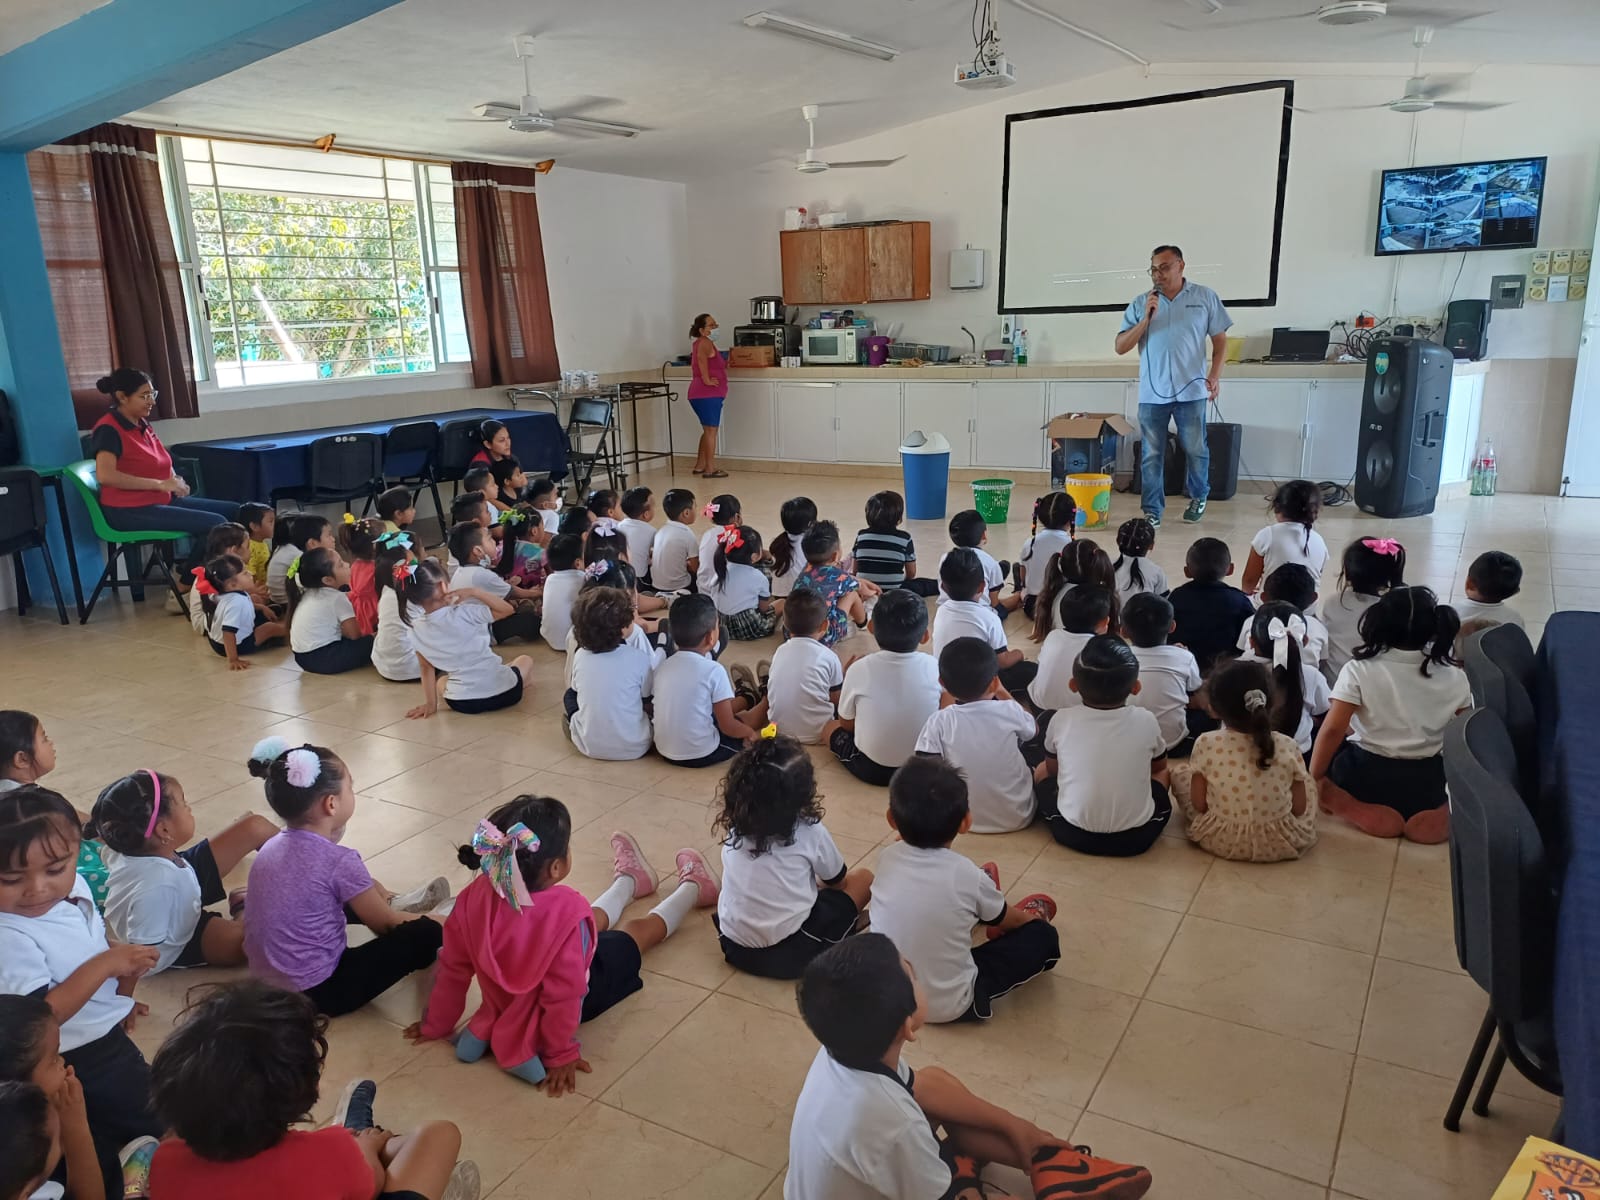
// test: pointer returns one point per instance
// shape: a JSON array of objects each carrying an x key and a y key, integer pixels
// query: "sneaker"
[
  {"x": 1196, "y": 510},
  {"x": 1016, "y": 576},
  {"x": 693, "y": 868},
  {"x": 423, "y": 899},
  {"x": 764, "y": 673},
  {"x": 1154, "y": 518},
  {"x": 627, "y": 859},
  {"x": 1005, "y": 569},
  {"x": 1038, "y": 904},
  {"x": 135, "y": 1159},
  {"x": 464, "y": 1182},
  {"x": 1072, "y": 1171},
  {"x": 355, "y": 1105},
  {"x": 744, "y": 683}
]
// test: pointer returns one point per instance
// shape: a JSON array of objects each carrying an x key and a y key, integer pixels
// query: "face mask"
[{"x": 712, "y": 334}]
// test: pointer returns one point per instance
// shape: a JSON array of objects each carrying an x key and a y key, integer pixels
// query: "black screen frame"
[{"x": 1538, "y": 218}]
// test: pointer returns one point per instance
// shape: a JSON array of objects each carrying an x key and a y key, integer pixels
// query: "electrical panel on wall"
[{"x": 1559, "y": 275}]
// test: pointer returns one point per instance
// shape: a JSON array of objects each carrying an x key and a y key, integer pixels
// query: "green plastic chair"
[{"x": 83, "y": 479}]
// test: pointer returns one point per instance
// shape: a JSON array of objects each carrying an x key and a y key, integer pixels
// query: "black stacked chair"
[
  {"x": 458, "y": 442},
  {"x": 410, "y": 460},
  {"x": 1500, "y": 667},
  {"x": 22, "y": 527},
  {"x": 595, "y": 416},
  {"x": 344, "y": 466},
  {"x": 1503, "y": 893}
]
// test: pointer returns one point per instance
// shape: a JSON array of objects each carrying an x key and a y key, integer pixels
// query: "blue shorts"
[{"x": 708, "y": 409}]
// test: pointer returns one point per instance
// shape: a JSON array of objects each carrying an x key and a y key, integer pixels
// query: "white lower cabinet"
[
  {"x": 945, "y": 408},
  {"x": 748, "y": 429},
  {"x": 867, "y": 422},
  {"x": 1009, "y": 424},
  {"x": 806, "y": 431}
]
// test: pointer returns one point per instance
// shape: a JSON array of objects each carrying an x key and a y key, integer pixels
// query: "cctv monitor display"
[{"x": 1462, "y": 206}]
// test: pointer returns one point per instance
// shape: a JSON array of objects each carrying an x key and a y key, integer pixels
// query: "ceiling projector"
[{"x": 995, "y": 72}]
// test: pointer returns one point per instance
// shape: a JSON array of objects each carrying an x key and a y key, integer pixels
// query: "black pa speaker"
[
  {"x": 1222, "y": 439},
  {"x": 1466, "y": 329},
  {"x": 1400, "y": 448}
]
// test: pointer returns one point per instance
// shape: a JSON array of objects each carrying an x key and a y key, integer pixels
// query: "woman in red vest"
[{"x": 138, "y": 489}]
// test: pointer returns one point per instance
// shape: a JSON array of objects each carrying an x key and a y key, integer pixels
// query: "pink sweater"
[{"x": 532, "y": 968}]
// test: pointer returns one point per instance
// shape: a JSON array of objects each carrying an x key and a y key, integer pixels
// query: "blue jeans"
[
  {"x": 185, "y": 514},
  {"x": 1153, "y": 421}
]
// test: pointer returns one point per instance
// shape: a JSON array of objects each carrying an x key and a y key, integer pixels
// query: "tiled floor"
[{"x": 1287, "y": 1032}]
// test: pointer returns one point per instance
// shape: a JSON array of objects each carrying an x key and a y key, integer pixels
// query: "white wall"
[{"x": 952, "y": 169}]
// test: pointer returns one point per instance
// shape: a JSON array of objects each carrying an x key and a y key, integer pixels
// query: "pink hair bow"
[
  {"x": 596, "y": 569},
  {"x": 1386, "y": 546},
  {"x": 710, "y": 510},
  {"x": 497, "y": 859}
]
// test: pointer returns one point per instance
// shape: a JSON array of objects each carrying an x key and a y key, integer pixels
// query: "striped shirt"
[{"x": 881, "y": 556}]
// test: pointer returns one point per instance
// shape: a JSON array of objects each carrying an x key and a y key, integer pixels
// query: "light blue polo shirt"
[{"x": 1173, "y": 351}]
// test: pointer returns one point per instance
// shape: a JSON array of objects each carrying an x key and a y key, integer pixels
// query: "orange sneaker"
[{"x": 1072, "y": 1173}]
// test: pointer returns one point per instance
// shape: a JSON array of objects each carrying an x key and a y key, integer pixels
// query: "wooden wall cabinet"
[{"x": 856, "y": 266}]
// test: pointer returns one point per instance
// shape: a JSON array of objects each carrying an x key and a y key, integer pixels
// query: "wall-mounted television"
[{"x": 1461, "y": 206}]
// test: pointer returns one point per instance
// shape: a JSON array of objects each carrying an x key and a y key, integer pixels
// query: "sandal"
[{"x": 719, "y": 473}]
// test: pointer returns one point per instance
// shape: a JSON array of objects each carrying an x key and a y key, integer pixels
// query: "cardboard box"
[
  {"x": 1085, "y": 444},
  {"x": 753, "y": 356}
]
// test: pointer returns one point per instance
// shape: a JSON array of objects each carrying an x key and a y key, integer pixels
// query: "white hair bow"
[{"x": 1280, "y": 631}]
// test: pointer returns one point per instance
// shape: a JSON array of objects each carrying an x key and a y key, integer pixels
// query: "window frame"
[{"x": 445, "y": 372}]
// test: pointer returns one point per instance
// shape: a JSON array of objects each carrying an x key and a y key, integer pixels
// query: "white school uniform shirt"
[
  {"x": 967, "y": 618},
  {"x": 926, "y": 902},
  {"x": 560, "y": 594},
  {"x": 992, "y": 578},
  {"x": 278, "y": 573},
  {"x": 1498, "y": 614},
  {"x": 394, "y": 652},
  {"x": 1340, "y": 617},
  {"x": 235, "y": 611},
  {"x": 744, "y": 589},
  {"x": 1036, "y": 554},
  {"x": 637, "y": 638},
  {"x": 707, "y": 550},
  {"x": 767, "y": 897},
  {"x": 482, "y": 578},
  {"x": 1155, "y": 578},
  {"x": 456, "y": 640},
  {"x": 687, "y": 685},
  {"x": 612, "y": 687},
  {"x": 317, "y": 616},
  {"x": 1313, "y": 650},
  {"x": 1313, "y": 687},
  {"x": 983, "y": 739},
  {"x": 152, "y": 901},
  {"x": 640, "y": 536},
  {"x": 550, "y": 518},
  {"x": 1402, "y": 713},
  {"x": 1285, "y": 542},
  {"x": 674, "y": 546},
  {"x": 1168, "y": 676},
  {"x": 197, "y": 612},
  {"x": 1049, "y": 688},
  {"x": 1103, "y": 757},
  {"x": 860, "y": 1135},
  {"x": 800, "y": 688},
  {"x": 40, "y": 952},
  {"x": 890, "y": 697},
  {"x": 783, "y": 584}
]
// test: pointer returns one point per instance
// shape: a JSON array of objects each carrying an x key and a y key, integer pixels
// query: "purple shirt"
[{"x": 294, "y": 930}]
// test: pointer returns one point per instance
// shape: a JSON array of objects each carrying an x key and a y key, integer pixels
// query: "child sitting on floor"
[
  {"x": 1168, "y": 675},
  {"x": 450, "y": 628},
  {"x": 480, "y": 480},
  {"x": 31, "y": 1148},
  {"x": 297, "y": 534},
  {"x": 674, "y": 554},
  {"x": 358, "y": 540},
  {"x": 926, "y": 898},
  {"x": 1492, "y": 579},
  {"x": 1290, "y": 539},
  {"x": 322, "y": 622},
  {"x": 699, "y": 721},
  {"x": 1295, "y": 586},
  {"x": 741, "y": 590},
  {"x": 968, "y": 530},
  {"x": 798, "y": 515},
  {"x": 474, "y": 550},
  {"x": 546, "y": 501},
  {"x": 644, "y": 635},
  {"x": 805, "y": 675},
  {"x": 786, "y": 891},
  {"x": 981, "y": 733},
  {"x": 887, "y": 696},
  {"x": 231, "y": 613},
  {"x": 1081, "y": 564},
  {"x": 397, "y": 509},
  {"x": 394, "y": 652},
  {"x": 560, "y": 589},
  {"x": 227, "y": 538},
  {"x": 638, "y": 514},
  {"x": 1392, "y": 702},
  {"x": 27, "y": 755},
  {"x": 1108, "y": 759},
  {"x": 510, "y": 481},
  {"x": 612, "y": 679},
  {"x": 605, "y": 503},
  {"x": 867, "y": 1125},
  {"x": 30, "y": 1055},
  {"x": 722, "y": 510},
  {"x": 1299, "y": 692},
  {"x": 1135, "y": 572},
  {"x": 884, "y": 554},
  {"x": 1057, "y": 512},
  {"x": 823, "y": 575},
  {"x": 545, "y": 959},
  {"x": 159, "y": 893},
  {"x": 305, "y": 888},
  {"x": 1370, "y": 567},
  {"x": 1206, "y": 610},
  {"x": 1249, "y": 793},
  {"x": 967, "y": 613},
  {"x": 1085, "y": 612},
  {"x": 242, "y": 1069},
  {"x": 260, "y": 522}
]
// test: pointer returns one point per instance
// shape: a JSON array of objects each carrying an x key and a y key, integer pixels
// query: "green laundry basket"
[{"x": 992, "y": 499}]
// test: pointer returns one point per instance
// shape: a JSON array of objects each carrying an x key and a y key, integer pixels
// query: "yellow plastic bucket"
[{"x": 1092, "y": 495}]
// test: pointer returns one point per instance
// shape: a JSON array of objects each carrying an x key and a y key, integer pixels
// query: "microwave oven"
[{"x": 831, "y": 345}]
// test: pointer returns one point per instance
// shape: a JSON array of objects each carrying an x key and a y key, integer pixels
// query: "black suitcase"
[{"x": 1222, "y": 437}]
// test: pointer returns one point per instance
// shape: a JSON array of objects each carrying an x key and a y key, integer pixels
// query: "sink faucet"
[{"x": 972, "y": 339}]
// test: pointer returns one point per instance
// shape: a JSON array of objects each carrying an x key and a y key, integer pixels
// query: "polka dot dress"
[{"x": 1248, "y": 815}]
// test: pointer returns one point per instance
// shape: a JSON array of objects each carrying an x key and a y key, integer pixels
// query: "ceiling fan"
[
  {"x": 527, "y": 117},
  {"x": 809, "y": 164},
  {"x": 1338, "y": 12},
  {"x": 1424, "y": 92}
]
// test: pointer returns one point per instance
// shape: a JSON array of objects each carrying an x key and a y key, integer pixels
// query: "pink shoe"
[
  {"x": 1038, "y": 904},
  {"x": 992, "y": 870},
  {"x": 628, "y": 860},
  {"x": 693, "y": 868}
]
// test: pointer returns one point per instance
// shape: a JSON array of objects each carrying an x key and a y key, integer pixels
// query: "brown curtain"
[
  {"x": 113, "y": 266},
  {"x": 503, "y": 285}
]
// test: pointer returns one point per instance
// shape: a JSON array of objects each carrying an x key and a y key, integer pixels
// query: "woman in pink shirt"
[{"x": 708, "y": 387}]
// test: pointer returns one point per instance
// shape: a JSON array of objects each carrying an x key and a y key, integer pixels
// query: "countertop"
[{"x": 1120, "y": 368}]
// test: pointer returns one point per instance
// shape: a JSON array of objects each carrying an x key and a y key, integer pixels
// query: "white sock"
[
  {"x": 675, "y": 907},
  {"x": 616, "y": 898}
]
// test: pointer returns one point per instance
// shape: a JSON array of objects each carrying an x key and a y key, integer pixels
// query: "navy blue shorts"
[{"x": 708, "y": 410}]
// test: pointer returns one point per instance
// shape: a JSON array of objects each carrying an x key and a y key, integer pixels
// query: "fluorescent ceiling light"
[{"x": 778, "y": 23}]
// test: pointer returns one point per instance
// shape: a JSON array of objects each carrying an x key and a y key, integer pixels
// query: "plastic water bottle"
[
  {"x": 1019, "y": 342},
  {"x": 1484, "y": 471}
]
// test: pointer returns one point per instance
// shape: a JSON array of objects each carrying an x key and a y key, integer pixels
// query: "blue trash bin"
[{"x": 925, "y": 463}]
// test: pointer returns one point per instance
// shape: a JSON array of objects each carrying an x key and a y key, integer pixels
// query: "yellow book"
[{"x": 1546, "y": 1171}]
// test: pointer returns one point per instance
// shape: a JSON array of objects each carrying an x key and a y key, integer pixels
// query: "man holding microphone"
[{"x": 1171, "y": 324}]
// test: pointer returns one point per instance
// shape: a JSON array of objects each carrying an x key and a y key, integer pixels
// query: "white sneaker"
[
  {"x": 464, "y": 1182},
  {"x": 423, "y": 899}
]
